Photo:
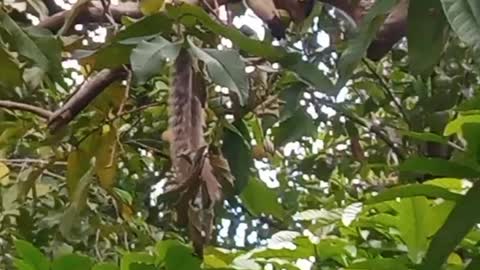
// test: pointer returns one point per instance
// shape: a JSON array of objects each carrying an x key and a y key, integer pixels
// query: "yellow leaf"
[
  {"x": 4, "y": 174},
  {"x": 42, "y": 189},
  {"x": 110, "y": 98},
  {"x": 77, "y": 165},
  {"x": 106, "y": 158},
  {"x": 454, "y": 259},
  {"x": 126, "y": 211},
  {"x": 78, "y": 161},
  {"x": 148, "y": 7}
]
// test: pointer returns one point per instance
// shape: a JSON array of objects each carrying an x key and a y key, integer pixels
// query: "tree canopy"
[{"x": 151, "y": 134}]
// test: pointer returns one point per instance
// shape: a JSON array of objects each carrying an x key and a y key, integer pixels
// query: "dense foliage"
[{"x": 337, "y": 161}]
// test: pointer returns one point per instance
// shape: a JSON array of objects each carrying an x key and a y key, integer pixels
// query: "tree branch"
[
  {"x": 356, "y": 119},
  {"x": 12, "y": 105},
  {"x": 83, "y": 96},
  {"x": 393, "y": 29},
  {"x": 388, "y": 92},
  {"x": 94, "y": 13}
]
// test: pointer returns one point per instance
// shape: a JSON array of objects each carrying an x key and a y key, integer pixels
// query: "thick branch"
[
  {"x": 94, "y": 13},
  {"x": 52, "y": 7},
  {"x": 394, "y": 28},
  {"x": 87, "y": 92},
  {"x": 12, "y": 105}
]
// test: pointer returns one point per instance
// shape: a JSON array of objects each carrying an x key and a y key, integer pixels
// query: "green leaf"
[
  {"x": 298, "y": 125},
  {"x": 214, "y": 262},
  {"x": 22, "y": 265},
  {"x": 358, "y": 45},
  {"x": 259, "y": 199},
  {"x": 425, "y": 136},
  {"x": 455, "y": 126},
  {"x": 379, "y": 264},
  {"x": 117, "y": 53},
  {"x": 414, "y": 190},
  {"x": 321, "y": 216},
  {"x": 309, "y": 74},
  {"x": 10, "y": 73},
  {"x": 225, "y": 68},
  {"x": 180, "y": 257},
  {"x": 31, "y": 255},
  {"x": 27, "y": 47},
  {"x": 72, "y": 262},
  {"x": 304, "y": 249},
  {"x": 448, "y": 183},
  {"x": 427, "y": 34},
  {"x": 251, "y": 46},
  {"x": 460, "y": 221},
  {"x": 131, "y": 258},
  {"x": 413, "y": 225},
  {"x": 335, "y": 248},
  {"x": 463, "y": 18},
  {"x": 78, "y": 200},
  {"x": 306, "y": 71},
  {"x": 471, "y": 133},
  {"x": 474, "y": 264},
  {"x": 148, "y": 57},
  {"x": 238, "y": 153},
  {"x": 105, "y": 266},
  {"x": 439, "y": 167},
  {"x": 51, "y": 47}
]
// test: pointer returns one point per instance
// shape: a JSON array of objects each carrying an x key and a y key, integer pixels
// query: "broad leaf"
[
  {"x": 107, "y": 157},
  {"x": 31, "y": 255},
  {"x": 149, "y": 7},
  {"x": 226, "y": 69},
  {"x": 379, "y": 264},
  {"x": 42, "y": 49},
  {"x": 306, "y": 71},
  {"x": 148, "y": 57},
  {"x": 116, "y": 53},
  {"x": 180, "y": 257},
  {"x": 414, "y": 190},
  {"x": 10, "y": 72},
  {"x": 439, "y": 167},
  {"x": 238, "y": 153},
  {"x": 456, "y": 125},
  {"x": 425, "y": 136},
  {"x": 78, "y": 200},
  {"x": 427, "y": 33},
  {"x": 463, "y": 17},
  {"x": 252, "y": 46},
  {"x": 459, "y": 222},
  {"x": 358, "y": 45},
  {"x": 259, "y": 199},
  {"x": 131, "y": 258},
  {"x": 298, "y": 125},
  {"x": 72, "y": 262},
  {"x": 105, "y": 266},
  {"x": 413, "y": 225},
  {"x": 304, "y": 249}
]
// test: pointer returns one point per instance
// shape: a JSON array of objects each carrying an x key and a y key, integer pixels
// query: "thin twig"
[
  {"x": 108, "y": 121},
  {"x": 30, "y": 160},
  {"x": 12, "y": 105},
  {"x": 127, "y": 91},
  {"x": 387, "y": 91},
  {"x": 372, "y": 128}
]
